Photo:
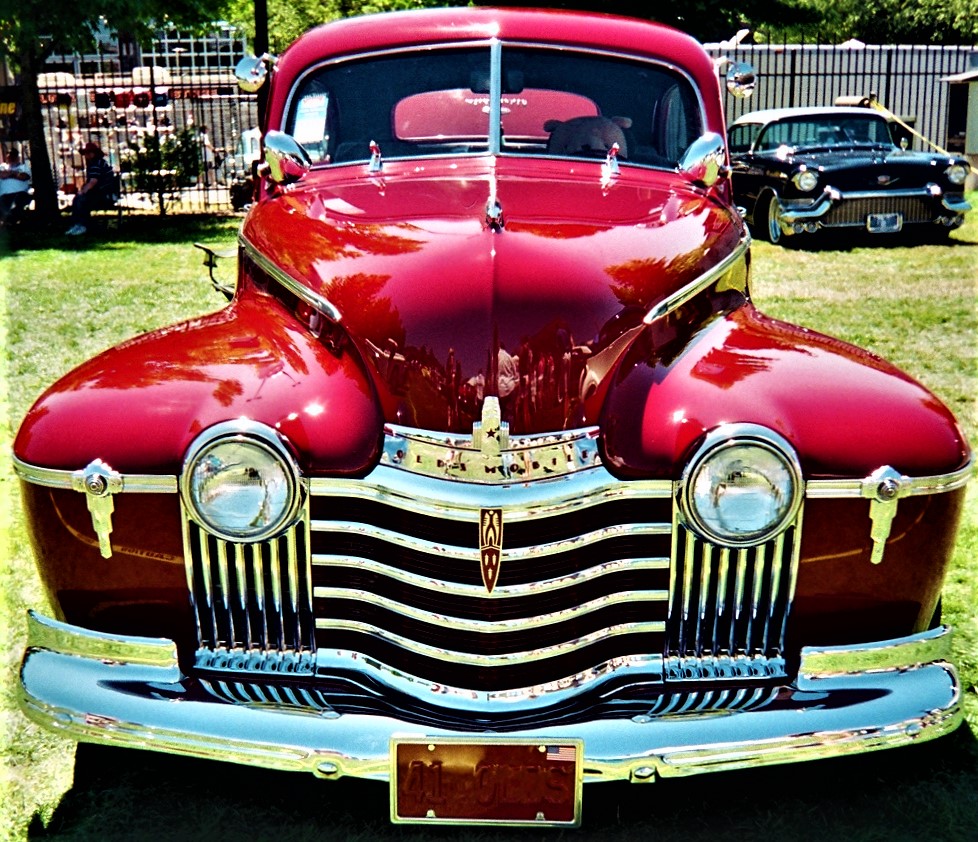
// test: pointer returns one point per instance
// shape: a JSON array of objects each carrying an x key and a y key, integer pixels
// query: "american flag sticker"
[{"x": 563, "y": 754}]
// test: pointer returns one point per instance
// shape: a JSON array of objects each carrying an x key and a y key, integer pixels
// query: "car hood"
[
  {"x": 925, "y": 165},
  {"x": 448, "y": 302}
]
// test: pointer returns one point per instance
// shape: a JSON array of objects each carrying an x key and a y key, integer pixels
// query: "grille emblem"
[{"x": 490, "y": 545}]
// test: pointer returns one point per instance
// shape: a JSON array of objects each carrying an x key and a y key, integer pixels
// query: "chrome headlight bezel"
[
  {"x": 956, "y": 174},
  {"x": 805, "y": 180},
  {"x": 769, "y": 458},
  {"x": 241, "y": 517}
]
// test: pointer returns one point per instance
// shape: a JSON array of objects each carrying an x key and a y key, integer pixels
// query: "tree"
[
  {"x": 288, "y": 20},
  {"x": 33, "y": 30},
  {"x": 707, "y": 20},
  {"x": 896, "y": 21}
]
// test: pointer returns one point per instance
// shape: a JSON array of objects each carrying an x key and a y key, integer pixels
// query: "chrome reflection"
[
  {"x": 704, "y": 162},
  {"x": 285, "y": 158}
]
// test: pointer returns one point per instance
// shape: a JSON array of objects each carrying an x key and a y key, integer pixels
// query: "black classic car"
[{"x": 800, "y": 170}]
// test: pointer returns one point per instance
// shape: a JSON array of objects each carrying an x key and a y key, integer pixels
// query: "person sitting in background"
[
  {"x": 15, "y": 186},
  {"x": 208, "y": 159},
  {"x": 100, "y": 189}
]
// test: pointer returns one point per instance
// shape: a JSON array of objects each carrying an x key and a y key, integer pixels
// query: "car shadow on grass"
[{"x": 922, "y": 791}]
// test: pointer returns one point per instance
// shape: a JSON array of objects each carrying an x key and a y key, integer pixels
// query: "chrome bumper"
[
  {"x": 830, "y": 197},
  {"x": 130, "y": 692}
]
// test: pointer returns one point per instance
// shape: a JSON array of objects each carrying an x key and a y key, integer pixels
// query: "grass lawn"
[{"x": 64, "y": 301}]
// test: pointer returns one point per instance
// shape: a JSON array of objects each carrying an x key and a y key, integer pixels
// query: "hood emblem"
[
  {"x": 883, "y": 180},
  {"x": 490, "y": 545}
]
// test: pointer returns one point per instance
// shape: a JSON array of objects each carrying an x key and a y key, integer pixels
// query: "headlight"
[
  {"x": 240, "y": 483},
  {"x": 956, "y": 174},
  {"x": 806, "y": 180},
  {"x": 742, "y": 487}
]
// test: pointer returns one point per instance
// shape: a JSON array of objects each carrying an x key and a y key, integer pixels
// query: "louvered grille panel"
[
  {"x": 730, "y": 602},
  {"x": 578, "y": 586},
  {"x": 251, "y": 597}
]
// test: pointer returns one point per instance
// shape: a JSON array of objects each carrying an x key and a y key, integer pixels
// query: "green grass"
[
  {"x": 67, "y": 301},
  {"x": 64, "y": 301}
]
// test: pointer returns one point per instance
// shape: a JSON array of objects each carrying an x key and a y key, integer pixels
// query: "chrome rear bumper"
[{"x": 130, "y": 692}]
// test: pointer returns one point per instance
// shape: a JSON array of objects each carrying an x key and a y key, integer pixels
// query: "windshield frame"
[
  {"x": 829, "y": 119},
  {"x": 496, "y": 48}
]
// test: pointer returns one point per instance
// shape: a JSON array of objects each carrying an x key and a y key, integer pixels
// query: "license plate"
[
  {"x": 498, "y": 782},
  {"x": 884, "y": 223}
]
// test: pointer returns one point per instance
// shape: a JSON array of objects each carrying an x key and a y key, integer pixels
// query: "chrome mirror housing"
[
  {"x": 251, "y": 72},
  {"x": 741, "y": 79},
  {"x": 705, "y": 160},
  {"x": 287, "y": 161}
]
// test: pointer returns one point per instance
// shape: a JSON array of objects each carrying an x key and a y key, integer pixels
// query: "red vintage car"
[{"x": 491, "y": 481}]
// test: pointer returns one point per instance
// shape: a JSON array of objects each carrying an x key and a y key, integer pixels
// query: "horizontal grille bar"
[
  {"x": 446, "y": 588},
  {"x": 491, "y": 626},
  {"x": 459, "y": 659}
]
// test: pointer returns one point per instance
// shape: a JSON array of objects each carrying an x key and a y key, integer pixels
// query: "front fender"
[
  {"x": 138, "y": 406},
  {"x": 847, "y": 412}
]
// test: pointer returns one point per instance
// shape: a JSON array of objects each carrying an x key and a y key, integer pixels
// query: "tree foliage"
[
  {"x": 871, "y": 21},
  {"x": 33, "y": 30},
  {"x": 288, "y": 20},
  {"x": 707, "y": 20},
  {"x": 897, "y": 21}
]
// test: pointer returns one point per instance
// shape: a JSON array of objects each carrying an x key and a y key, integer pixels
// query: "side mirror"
[
  {"x": 286, "y": 159},
  {"x": 705, "y": 160},
  {"x": 251, "y": 72},
  {"x": 741, "y": 79}
]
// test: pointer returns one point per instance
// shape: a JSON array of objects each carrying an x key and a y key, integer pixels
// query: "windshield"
[
  {"x": 825, "y": 132},
  {"x": 552, "y": 102}
]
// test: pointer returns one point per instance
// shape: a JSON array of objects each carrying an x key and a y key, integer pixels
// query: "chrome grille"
[
  {"x": 597, "y": 578},
  {"x": 339, "y": 698},
  {"x": 254, "y": 599},
  {"x": 728, "y": 608},
  {"x": 583, "y": 581},
  {"x": 853, "y": 212}
]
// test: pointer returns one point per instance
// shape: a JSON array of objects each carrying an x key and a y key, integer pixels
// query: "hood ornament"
[
  {"x": 376, "y": 158},
  {"x": 491, "y": 435}
]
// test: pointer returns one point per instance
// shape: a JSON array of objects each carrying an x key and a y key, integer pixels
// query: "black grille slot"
[
  {"x": 340, "y": 580},
  {"x": 466, "y": 569}
]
